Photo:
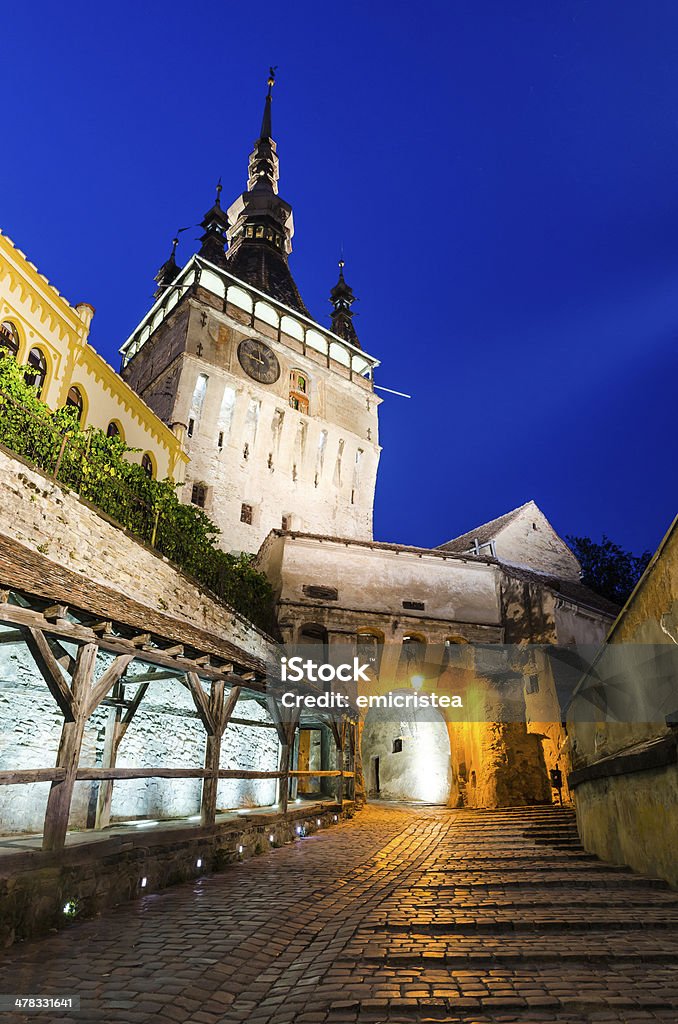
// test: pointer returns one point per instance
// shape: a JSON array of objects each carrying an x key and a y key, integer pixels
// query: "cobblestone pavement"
[{"x": 401, "y": 914}]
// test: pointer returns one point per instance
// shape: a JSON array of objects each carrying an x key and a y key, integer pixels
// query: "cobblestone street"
[{"x": 401, "y": 914}]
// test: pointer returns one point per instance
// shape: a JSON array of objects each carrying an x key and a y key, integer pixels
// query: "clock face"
[{"x": 259, "y": 361}]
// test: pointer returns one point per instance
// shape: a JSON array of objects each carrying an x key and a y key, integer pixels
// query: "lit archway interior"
[{"x": 406, "y": 755}]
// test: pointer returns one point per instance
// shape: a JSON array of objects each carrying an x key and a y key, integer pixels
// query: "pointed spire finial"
[
  {"x": 266, "y": 130},
  {"x": 170, "y": 269},
  {"x": 342, "y": 298},
  {"x": 217, "y": 201}
]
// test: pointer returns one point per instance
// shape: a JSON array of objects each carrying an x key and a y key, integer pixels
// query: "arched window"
[
  {"x": 74, "y": 400},
  {"x": 9, "y": 338},
  {"x": 38, "y": 369},
  {"x": 114, "y": 430},
  {"x": 299, "y": 388},
  {"x": 411, "y": 662},
  {"x": 370, "y": 644},
  {"x": 147, "y": 465},
  {"x": 314, "y": 634}
]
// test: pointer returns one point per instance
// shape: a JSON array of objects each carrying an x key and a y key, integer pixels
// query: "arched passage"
[{"x": 406, "y": 755}]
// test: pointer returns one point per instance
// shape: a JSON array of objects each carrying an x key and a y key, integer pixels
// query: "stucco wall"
[
  {"x": 44, "y": 319},
  {"x": 629, "y": 814},
  {"x": 287, "y": 466},
  {"x": 530, "y": 540},
  {"x": 377, "y": 579}
]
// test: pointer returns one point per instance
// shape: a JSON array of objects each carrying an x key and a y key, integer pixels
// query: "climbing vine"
[{"x": 95, "y": 466}]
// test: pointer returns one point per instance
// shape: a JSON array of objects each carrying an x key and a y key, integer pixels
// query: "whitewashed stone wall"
[{"x": 165, "y": 732}]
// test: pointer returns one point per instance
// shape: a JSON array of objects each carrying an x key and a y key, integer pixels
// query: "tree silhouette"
[{"x": 607, "y": 568}]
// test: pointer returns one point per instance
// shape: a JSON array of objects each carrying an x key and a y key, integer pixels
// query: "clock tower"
[{"x": 277, "y": 412}]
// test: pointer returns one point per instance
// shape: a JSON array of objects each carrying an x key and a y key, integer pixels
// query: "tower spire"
[
  {"x": 215, "y": 225},
  {"x": 266, "y": 130},
  {"x": 342, "y": 298},
  {"x": 169, "y": 270},
  {"x": 263, "y": 169},
  {"x": 261, "y": 223}
]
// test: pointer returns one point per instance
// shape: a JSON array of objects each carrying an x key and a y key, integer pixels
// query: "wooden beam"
[
  {"x": 50, "y": 671},
  {"x": 102, "y": 627},
  {"x": 27, "y": 775},
  {"x": 55, "y": 611},
  {"x": 61, "y": 791},
  {"x": 116, "y": 727},
  {"x": 140, "y": 640},
  {"x": 12, "y": 636},
  {"x": 14, "y": 615},
  {"x": 89, "y": 774},
  {"x": 274, "y": 712},
  {"x": 201, "y": 701},
  {"x": 113, "y": 673},
  {"x": 174, "y": 652}
]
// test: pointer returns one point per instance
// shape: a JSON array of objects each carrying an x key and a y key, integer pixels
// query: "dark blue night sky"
[{"x": 503, "y": 179}]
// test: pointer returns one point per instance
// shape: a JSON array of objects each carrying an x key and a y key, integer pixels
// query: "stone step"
[{"x": 441, "y": 924}]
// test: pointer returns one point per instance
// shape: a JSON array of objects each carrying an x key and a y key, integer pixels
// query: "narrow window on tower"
[
  {"x": 320, "y": 456},
  {"x": 276, "y": 432},
  {"x": 337, "y": 465},
  {"x": 226, "y": 412},
  {"x": 197, "y": 403},
  {"x": 251, "y": 424},
  {"x": 246, "y": 514},
  {"x": 356, "y": 475}
]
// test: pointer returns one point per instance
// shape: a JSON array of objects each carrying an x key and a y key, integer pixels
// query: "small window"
[
  {"x": 397, "y": 746},
  {"x": 38, "y": 369},
  {"x": 246, "y": 514},
  {"x": 414, "y": 606},
  {"x": 9, "y": 338},
  {"x": 286, "y": 523},
  {"x": 198, "y": 495},
  {"x": 532, "y": 684},
  {"x": 299, "y": 388},
  {"x": 113, "y": 430},
  {"x": 147, "y": 465},
  {"x": 191, "y": 427},
  {"x": 75, "y": 401}
]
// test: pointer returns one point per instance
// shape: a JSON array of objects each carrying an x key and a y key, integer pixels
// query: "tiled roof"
[
  {"x": 483, "y": 534},
  {"x": 29, "y": 572},
  {"x": 570, "y": 590},
  {"x": 264, "y": 268}
]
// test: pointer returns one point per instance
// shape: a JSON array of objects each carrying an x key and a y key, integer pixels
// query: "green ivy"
[{"x": 95, "y": 466}]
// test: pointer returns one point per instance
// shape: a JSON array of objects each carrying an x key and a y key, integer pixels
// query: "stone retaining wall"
[{"x": 37, "y": 887}]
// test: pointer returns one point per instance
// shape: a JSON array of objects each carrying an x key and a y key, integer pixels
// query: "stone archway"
[{"x": 406, "y": 755}]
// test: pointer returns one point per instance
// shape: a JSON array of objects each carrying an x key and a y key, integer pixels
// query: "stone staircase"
[{"x": 508, "y": 919}]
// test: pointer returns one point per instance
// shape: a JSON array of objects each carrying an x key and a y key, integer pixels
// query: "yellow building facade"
[{"x": 39, "y": 327}]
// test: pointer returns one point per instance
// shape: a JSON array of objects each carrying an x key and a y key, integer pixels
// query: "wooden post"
[
  {"x": 221, "y": 714},
  {"x": 338, "y": 731},
  {"x": 61, "y": 791},
  {"x": 116, "y": 727}
]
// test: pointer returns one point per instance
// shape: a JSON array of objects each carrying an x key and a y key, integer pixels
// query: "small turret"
[
  {"x": 215, "y": 225},
  {"x": 168, "y": 271},
  {"x": 342, "y": 298}
]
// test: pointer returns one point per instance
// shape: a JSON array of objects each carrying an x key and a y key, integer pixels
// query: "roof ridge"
[{"x": 506, "y": 516}]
